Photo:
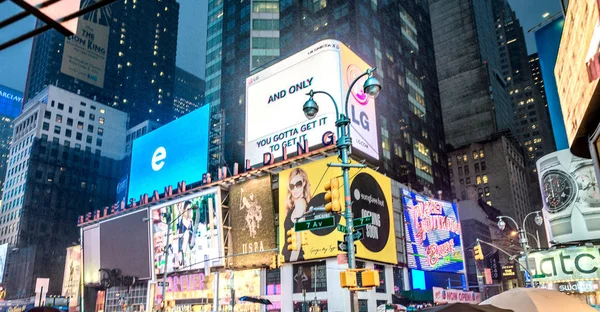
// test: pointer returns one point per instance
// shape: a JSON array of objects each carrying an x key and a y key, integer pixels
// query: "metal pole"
[
  {"x": 524, "y": 245},
  {"x": 164, "y": 286}
]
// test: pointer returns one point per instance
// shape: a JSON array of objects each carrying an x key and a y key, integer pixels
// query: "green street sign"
[
  {"x": 342, "y": 228},
  {"x": 356, "y": 236},
  {"x": 358, "y": 222},
  {"x": 539, "y": 276},
  {"x": 314, "y": 224}
]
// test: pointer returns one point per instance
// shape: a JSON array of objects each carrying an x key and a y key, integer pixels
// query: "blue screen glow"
[
  {"x": 418, "y": 279},
  {"x": 11, "y": 102},
  {"x": 175, "y": 152}
]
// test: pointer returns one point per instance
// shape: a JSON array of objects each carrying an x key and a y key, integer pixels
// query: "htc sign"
[{"x": 566, "y": 264}]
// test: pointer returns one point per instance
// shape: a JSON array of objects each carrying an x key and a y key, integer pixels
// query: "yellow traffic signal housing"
[
  {"x": 280, "y": 260},
  {"x": 370, "y": 278},
  {"x": 348, "y": 279},
  {"x": 478, "y": 254},
  {"x": 273, "y": 263},
  {"x": 292, "y": 240},
  {"x": 334, "y": 199}
]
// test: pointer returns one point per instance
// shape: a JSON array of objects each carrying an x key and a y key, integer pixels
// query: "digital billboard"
[
  {"x": 571, "y": 197},
  {"x": 565, "y": 264},
  {"x": 302, "y": 187},
  {"x": 253, "y": 220},
  {"x": 433, "y": 234},
  {"x": 72, "y": 275},
  {"x": 3, "y": 255},
  {"x": 275, "y": 122},
  {"x": 11, "y": 102},
  {"x": 196, "y": 232},
  {"x": 175, "y": 152}
]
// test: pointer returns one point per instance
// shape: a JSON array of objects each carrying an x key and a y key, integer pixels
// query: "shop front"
[
  {"x": 186, "y": 292},
  {"x": 573, "y": 271}
]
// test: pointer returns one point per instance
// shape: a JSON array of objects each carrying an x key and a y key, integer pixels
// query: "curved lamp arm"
[
  {"x": 337, "y": 112},
  {"x": 525, "y": 219},
  {"x": 511, "y": 219},
  {"x": 368, "y": 72}
]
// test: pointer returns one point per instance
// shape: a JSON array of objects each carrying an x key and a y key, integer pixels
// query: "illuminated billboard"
[
  {"x": 3, "y": 255},
  {"x": 577, "y": 70},
  {"x": 72, "y": 275},
  {"x": 11, "y": 101},
  {"x": 275, "y": 122},
  {"x": 196, "y": 234},
  {"x": 175, "y": 152},
  {"x": 301, "y": 188},
  {"x": 571, "y": 197},
  {"x": 253, "y": 221},
  {"x": 433, "y": 234},
  {"x": 565, "y": 264}
]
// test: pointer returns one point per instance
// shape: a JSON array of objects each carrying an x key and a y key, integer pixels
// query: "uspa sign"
[
  {"x": 433, "y": 234},
  {"x": 275, "y": 123}
]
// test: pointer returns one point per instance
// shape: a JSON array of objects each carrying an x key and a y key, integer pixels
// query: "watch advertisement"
[{"x": 571, "y": 197}]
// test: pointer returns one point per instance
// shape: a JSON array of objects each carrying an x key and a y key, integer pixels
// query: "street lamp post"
[
  {"x": 371, "y": 87},
  {"x": 522, "y": 233}
]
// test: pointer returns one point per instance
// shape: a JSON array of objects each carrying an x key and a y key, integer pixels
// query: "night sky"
[{"x": 192, "y": 36}]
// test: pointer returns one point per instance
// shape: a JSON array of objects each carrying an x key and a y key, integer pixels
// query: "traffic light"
[
  {"x": 304, "y": 238},
  {"x": 333, "y": 197},
  {"x": 280, "y": 260},
  {"x": 370, "y": 278},
  {"x": 292, "y": 240},
  {"x": 348, "y": 279},
  {"x": 478, "y": 254},
  {"x": 273, "y": 263}
]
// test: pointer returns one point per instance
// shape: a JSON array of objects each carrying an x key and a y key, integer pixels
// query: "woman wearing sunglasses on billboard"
[{"x": 297, "y": 201}]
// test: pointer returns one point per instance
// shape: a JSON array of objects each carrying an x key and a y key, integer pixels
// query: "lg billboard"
[
  {"x": 173, "y": 153},
  {"x": 275, "y": 122}
]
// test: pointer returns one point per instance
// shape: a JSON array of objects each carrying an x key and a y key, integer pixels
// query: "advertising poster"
[
  {"x": 3, "y": 255},
  {"x": 310, "y": 276},
  {"x": 72, "y": 275},
  {"x": 303, "y": 187},
  {"x": 433, "y": 234},
  {"x": 275, "y": 122},
  {"x": 571, "y": 197},
  {"x": 572, "y": 263},
  {"x": 84, "y": 55},
  {"x": 195, "y": 239},
  {"x": 170, "y": 154},
  {"x": 252, "y": 217},
  {"x": 445, "y": 296},
  {"x": 240, "y": 283},
  {"x": 509, "y": 271}
]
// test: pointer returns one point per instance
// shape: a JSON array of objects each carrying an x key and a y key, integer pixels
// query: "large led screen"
[
  {"x": 195, "y": 238},
  {"x": 433, "y": 234},
  {"x": 173, "y": 153},
  {"x": 275, "y": 122}
]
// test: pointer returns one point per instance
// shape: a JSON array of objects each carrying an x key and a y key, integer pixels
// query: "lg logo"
[{"x": 160, "y": 154}]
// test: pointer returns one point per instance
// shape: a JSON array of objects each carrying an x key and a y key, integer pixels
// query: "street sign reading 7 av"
[{"x": 314, "y": 224}]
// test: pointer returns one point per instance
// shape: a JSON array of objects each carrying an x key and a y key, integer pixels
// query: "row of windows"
[
  {"x": 59, "y": 117},
  {"x": 479, "y": 180},
  {"x": 464, "y": 157},
  {"x": 57, "y": 129}
]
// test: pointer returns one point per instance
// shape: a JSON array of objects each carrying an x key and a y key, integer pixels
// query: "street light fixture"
[
  {"x": 522, "y": 232},
  {"x": 371, "y": 87}
]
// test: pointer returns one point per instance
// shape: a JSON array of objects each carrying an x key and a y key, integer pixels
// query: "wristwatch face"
[
  {"x": 587, "y": 185},
  {"x": 559, "y": 190}
]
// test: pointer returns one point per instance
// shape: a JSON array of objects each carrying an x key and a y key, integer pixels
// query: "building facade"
[
  {"x": 536, "y": 73},
  {"x": 64, "y": 159},
  {"x": 474, "y": 101},
  {"x": 11, "y": 102},
  {"x": 246, "y": 37},
  {"x": 137, "y": 69},
  {"x": 188, "y": 92}
]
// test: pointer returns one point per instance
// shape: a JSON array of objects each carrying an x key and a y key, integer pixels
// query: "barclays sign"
[{"x": 566, "y": 264}]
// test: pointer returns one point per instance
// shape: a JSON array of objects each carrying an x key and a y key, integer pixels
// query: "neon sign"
[{"x": 433, "y": 234}]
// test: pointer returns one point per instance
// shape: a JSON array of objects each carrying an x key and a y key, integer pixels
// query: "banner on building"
[
  {"x": 252, "y": 218},
  {"x": 433, "y": 234},
  {"x": 571, "y": 197},
  {"x": 3, "y": 255},
  {"x": 310, "y": 277},
  {"x": 303, "y": 187},
  {"x": 493, "y": 263},
  {"x": 84, "y": 54},
  {"x": 72, "y": 275},
  {"x": 444, "y": 296}
]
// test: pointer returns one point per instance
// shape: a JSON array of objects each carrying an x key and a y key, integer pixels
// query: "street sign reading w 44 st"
[{"x": 314, "y": 224}]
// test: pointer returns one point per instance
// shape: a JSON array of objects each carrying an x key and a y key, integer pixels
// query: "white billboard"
[
  {"x": 571, "y": 197},
  {"x": 84, "y": 55},
  {"x": 275, "y": 122},
  {"x": 3, "y": 254},
  {"x": 72, "y": 275}
]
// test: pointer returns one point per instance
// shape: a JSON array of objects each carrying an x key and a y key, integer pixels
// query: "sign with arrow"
[
  {"x": 343, "y": 246},
  {"x": 358, "y": 235}
]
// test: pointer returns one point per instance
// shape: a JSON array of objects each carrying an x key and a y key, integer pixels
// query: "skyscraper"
[
  {"x": 188, "y": 92},
  {"x": 244, "y": 37},
  {"x": 536, "y": 73},
  {"x": 10, "y": 106},
  {"x": 64, "y": 160},
  {"x": 472, "y": 89},
  {"x": 128, "y": 49},
  {"x": 531, "y": 112}
]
